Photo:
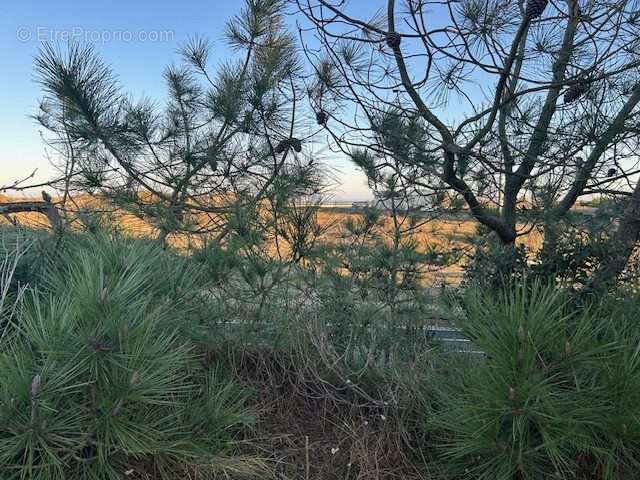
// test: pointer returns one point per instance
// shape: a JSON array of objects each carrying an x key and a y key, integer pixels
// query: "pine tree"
[{"x": 222, "y": 136}]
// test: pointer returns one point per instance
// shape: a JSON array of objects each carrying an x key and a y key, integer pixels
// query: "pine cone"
[
  {"x": 289, "y": 142},
  {"x": 393, "y": 40},
  {"x": 535, "y": 8},
  {"x": 282, "y": 146},
  {"x": 321, "y": 117},
  {"x": 611, "y": 172},
  {"x": 574, "y": 93},
  {"x": 296, "y": 144}
]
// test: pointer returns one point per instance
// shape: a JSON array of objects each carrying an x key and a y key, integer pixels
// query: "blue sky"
[{"x": 137, "y": 38}]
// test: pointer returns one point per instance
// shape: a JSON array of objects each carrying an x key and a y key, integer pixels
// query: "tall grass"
[{"x": 10, "y": 293}]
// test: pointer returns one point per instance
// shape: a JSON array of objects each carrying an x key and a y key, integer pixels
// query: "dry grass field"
[{"x": 443, "y": 234}]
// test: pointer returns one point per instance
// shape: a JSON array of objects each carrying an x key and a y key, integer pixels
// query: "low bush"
[
  {"x": 97, "y": 382},
  {"x": 555, "y": 393},
  {"x": 128, "y": 360}
]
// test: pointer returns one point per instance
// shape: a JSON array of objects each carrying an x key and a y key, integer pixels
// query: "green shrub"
[
  {"x": 555, "y": 395},
  {"x": 29, "y": 251},
  {"x": 96, "y": 380},
  {"x": 218, "y": 263},
  {"x": 495, "y": 265}
]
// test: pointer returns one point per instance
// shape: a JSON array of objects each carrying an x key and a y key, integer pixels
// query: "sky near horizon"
[{"x": 138, "y": 45}]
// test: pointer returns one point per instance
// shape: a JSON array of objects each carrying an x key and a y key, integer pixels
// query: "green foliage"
[
  {"x": 580, "y": 245},
  {"x": 217, "y": 263},
  {"x": 370, "y": 281},
  {"x": 402, "y": 135},
  {"x": 28, "y": 251},
  {"x": 99, "y": 373},
  {"x": 301, "y": 228},
  {"x": 212, "y": 143},
  {"x": 97, "y": 379},
  {"x": 495, "y": 265},
  {"x": 170, "y": 280},
  {"x": 554, "y": 395}
]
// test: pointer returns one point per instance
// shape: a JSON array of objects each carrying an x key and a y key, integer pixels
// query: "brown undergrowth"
[{"x": 320, "y": 421}]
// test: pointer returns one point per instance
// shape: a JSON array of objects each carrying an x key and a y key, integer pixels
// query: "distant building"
[
  {"x": 386, "y": 204},
  {"x": 363, "y": 204}
]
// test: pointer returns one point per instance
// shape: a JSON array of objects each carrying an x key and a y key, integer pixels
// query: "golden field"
[{"x": 442, "y": 234}]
